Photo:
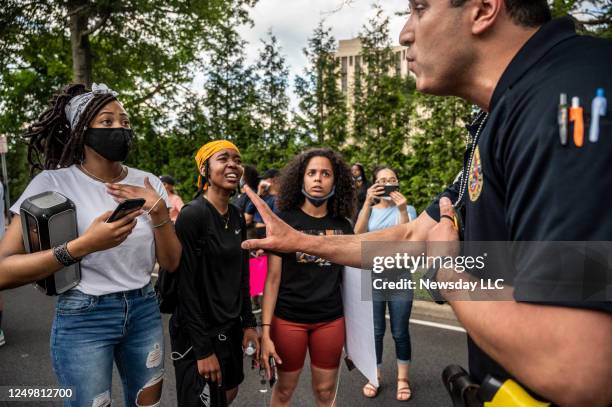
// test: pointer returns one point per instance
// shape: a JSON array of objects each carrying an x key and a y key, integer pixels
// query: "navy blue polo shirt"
[{"x": 524, "y": 185}]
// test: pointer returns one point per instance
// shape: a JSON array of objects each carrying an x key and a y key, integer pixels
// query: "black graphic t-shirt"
[{"x": 309, "y": 290}]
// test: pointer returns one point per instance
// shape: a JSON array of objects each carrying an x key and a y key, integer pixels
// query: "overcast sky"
[{"x": 293, "y": 21}]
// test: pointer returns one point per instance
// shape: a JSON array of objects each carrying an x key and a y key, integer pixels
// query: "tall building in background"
[{"x": 349, "y": 55}]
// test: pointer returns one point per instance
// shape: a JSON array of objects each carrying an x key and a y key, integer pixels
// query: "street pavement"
[{"x": 25, "y": 361}]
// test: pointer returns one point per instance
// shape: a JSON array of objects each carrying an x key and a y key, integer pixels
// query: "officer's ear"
[{"x": 485, "y": 13}]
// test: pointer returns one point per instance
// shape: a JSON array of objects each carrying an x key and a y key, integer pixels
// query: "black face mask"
[
  {"x": 318, "y": 201},
  {"x": 358, "y": 178},
  {"x": 112, "y": 144}
]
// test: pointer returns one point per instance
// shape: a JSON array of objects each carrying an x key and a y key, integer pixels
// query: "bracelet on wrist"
[
  {"x": 162, "y": 223},
  {"x": 154, "y": 205},
  {"x": 63, "y": 256}
]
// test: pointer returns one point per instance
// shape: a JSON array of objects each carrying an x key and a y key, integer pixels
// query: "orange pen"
[{"x": 576, "y": 115}]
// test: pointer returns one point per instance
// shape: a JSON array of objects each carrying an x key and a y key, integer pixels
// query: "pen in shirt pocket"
[
  {"x": 576, "y": 115},
  {"x": 562, "y": 119},
  {"x": 598, "y": 109}
]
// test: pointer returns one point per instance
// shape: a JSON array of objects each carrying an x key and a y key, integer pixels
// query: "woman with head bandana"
[
  {"x": 112, "y": 314},
  {"x": 213, "y": 321},
  {"x": 302, "y": 307}
]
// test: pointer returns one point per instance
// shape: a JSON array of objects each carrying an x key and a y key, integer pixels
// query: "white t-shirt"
[{"x": 124, "y": 267}]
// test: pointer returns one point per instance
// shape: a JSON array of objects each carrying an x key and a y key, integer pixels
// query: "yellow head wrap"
[{"x": 208, "y": 150}]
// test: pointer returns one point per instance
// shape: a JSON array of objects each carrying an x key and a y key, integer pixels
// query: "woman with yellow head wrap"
[
  {"x": 214, "y": 320},
  {"x": 206, "y": 152}
]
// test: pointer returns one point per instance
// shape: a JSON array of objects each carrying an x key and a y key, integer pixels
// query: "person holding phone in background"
[
  {"x": 112, "y": 314},
  {"x": 383, "y": 208}
]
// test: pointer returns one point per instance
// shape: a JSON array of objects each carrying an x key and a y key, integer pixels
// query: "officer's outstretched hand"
[
  {"x": 280, "y": 237},
  {"x": 445, "y": 231}
]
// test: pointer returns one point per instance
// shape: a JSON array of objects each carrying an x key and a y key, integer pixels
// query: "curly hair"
[
  {"x": 51, "y": 143},
  {"x": 342, "y": 204}
]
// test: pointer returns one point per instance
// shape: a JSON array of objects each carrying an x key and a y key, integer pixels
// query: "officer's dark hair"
[
  {"x": 527, "y": 13},
  {"x": 51, "y": 143}
]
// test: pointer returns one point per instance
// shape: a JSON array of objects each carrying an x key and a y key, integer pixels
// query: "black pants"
[{"x": 191, "y": 388}]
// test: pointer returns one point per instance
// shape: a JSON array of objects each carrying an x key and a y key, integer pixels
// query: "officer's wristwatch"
[{"x": 430, "y": 276}]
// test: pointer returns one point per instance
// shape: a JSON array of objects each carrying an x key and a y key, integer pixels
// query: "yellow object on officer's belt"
[{"x": 511, "y": 394}]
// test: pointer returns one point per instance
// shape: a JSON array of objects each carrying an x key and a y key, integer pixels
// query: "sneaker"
[{"x": 2, "y": 341}]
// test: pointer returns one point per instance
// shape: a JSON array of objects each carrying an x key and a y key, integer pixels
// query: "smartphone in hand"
[
  {"x": 125, "y": 208},
  {"x": 273, "y": 371},
  {"x": 389, "y": 189}
]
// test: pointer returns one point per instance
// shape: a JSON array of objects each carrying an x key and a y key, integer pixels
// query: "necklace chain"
[
  {"x": 226, "y": 216},
  {"x": 482, "y": 117},
  {"x": 123, "y": 170}
]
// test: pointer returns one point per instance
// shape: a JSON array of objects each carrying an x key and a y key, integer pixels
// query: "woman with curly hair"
[
  {"x": 302, "y": 306},
  {"x": 112, "y": 314}
]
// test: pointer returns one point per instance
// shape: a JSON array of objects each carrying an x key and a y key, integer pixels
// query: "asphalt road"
[{"x": 25, "y": 361}]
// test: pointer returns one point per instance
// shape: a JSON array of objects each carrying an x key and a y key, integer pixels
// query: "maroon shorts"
[{"x": 324, "y": 341}]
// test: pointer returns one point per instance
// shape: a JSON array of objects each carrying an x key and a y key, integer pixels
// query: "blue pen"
[{"x": 598, "y": 109}]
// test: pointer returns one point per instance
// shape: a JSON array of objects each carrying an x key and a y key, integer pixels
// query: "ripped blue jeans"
[{"x": 89, "y": 332}]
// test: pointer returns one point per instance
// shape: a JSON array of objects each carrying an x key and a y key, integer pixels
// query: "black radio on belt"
[{"x": 48, "y": 220}]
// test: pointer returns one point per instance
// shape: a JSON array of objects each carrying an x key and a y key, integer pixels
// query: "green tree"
[
  {"x": 230, "y": 90},
  {"x": 437, "y": 144},
  {"x": 592, "y": 16},
  {"x": 322, "y": 116},
  {"x": 147, "y": 50},
  {"x": 272, "y": 109},
  {"x": 383, "y": 99}
]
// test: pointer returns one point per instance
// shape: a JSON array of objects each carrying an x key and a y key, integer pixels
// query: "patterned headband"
[{"x": 77, "y": 104}]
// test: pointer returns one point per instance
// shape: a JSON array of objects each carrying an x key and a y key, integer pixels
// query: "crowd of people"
[
  {"x": 310, "y": 218},
  {"x": 87, "y": 136}
]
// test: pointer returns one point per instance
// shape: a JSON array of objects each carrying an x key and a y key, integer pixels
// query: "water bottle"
[{"x": 250, "y": 349}]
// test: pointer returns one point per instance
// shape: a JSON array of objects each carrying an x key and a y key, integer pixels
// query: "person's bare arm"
[
  {"x": 270, "y": 294},
  {"x": 561, "y": 353},
  {"x": 345, "y": 250},
  {"x": 361, "y": 225},
  {"x": 18, "y": 268},
  {"x": 167, "y": 246},
  {"x": 375, "y": 191},
  {"x": 267, "y": 310}
]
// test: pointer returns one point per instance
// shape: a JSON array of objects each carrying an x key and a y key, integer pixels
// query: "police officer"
[{"x": 521, "y": 181}]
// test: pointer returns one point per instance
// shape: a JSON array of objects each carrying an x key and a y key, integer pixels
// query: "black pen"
[{"x": 562, "y": 119}]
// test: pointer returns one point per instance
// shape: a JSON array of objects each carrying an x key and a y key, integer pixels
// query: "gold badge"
[{"x": 476, "y": 177}]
